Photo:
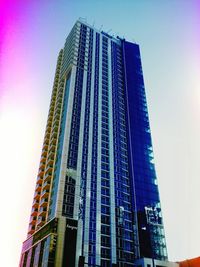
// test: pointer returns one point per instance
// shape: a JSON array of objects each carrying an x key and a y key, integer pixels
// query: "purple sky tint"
[
  {"x": 14, "y": 66},
  {"x": 31, "y": 34}
]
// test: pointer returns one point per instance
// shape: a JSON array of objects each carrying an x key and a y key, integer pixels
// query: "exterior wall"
[
  {"x": 96, "y": 193},
  {"x": 40, "y": 207},
  {"x": 125, "y": 238},
  {"x": 148, "y": 262},
  {"x": 145, "y": 193}
]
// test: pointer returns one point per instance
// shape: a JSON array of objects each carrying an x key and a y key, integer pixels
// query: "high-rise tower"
[{"x": 96, "y": 198}]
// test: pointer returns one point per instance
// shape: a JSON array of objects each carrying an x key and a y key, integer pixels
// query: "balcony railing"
[
  {"x": 44, "y": 152},
  {"x": 49, "y": 169},
  {"x": 42, "y": 163},
  {"x": 45, "y": 193},
  {"x": 50, "y": 161},
  {"x": 38, "y": 187},
  {"x": 32, "y": 220},
  {"x": 47, "y": 177},
  {"x": 41, "y": 172},
  {"x": 44, "y": 202},
  {"x": 37, "y": 195},
  {"x": 35, "y": 203},
  {"x": 34, "y": 212},
  {"x": 52, "y": 148},
  {"x": 46, "y": 185},
  {"x": 52, "y": 141},
  {"x": 39, "y": 180},
  {"x": 41, "y": 221},
  {"x": 42, "y": 211}
]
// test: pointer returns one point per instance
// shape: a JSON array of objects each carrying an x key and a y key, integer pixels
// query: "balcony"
[
  {"x": 38, "y": 188},
  {"x": 57, "y": 117},
  {"x": 48, "y": 127},
  {"x": 41, "y": 172},
  {"x": 39, "y": 180},
  {"x": 53, "y": 97},
  {"x": 55, "y": 85},
  {"x": 54, "y": 92},
  {"x": 47, "y": 177},
  {"x": 46, "y": 185},
  {"x": 32, "y": 220},
  {"x": 58, "y": 108},
  {"x": 35, "y": 203},
  {"x": 45, "y": 146},
  {"x": 43, "y": 160},
  {"x": 34, "y": 212},
  {"x": 44, "y": 152},
  {"x": 50, "y": 116},
  {"x": 51, "y": 109},
  {"x": 51, "y": 154},
  {"x": 55, "y": 128},
  {"x": 43, "y": 211},
  {"x": 52, "y": 148},
  {"x": 60, "y": 94},
  {"x": 54, "y": 134},
  {"x": 55, "y": 123},
  {"x": 58, "y": 105},
  {"x": 47, "y": 135},
  {"x": 49, "y": 169},
  {"x": 41, "y": 221},
  {"x": 44, "y": 202},
  {"x": 45, "y": 193},
  {"x": 50, "y": 161},
  {"x": 53, "y": 141},
  {"x": 31, "y": 231},
  {"x": 37, "y": 195},
  {"x": 52, "y": 104},
  {"x": 42, "y": 163}
]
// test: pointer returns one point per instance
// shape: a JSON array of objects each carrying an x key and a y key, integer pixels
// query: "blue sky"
[{"x": 168, "y": 34}]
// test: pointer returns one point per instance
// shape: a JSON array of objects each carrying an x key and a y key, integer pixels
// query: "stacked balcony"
[
  {"x": 44, "y": 202},
  {"x": 46, "y": 185},
  {"x": 43, "y": 184},
  {"x": 31, "y": 229},
  {"x": 34, "y": 211},
  {"x": 41, "y": 221},
  {"x": 41, "y": 172},
  {"x": 37, "y": 195},
  {"x": 35, "y": 203},
  {"x": 44, "y": 152},
  {"x": 50, "y": 160},
  {"x": 33, "y": 220},
  {"x": 45, "y": 193},
  {"x": 42, "y": 211},
  {"x": 39, "y": 180}
]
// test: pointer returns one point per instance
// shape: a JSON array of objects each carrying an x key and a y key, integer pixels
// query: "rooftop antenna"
[{"x": 101, "y": 28}]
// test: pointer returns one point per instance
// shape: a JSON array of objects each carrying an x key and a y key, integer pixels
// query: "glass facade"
[
  {"x": 96, "y": 198},
  {"x": 148, "y": 209}
]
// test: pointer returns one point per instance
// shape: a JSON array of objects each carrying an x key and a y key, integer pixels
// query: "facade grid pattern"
[{"x": 96, "y": 198}]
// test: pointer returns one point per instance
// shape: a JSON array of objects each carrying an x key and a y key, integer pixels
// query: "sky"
[{"x": 168, "y": 32}]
